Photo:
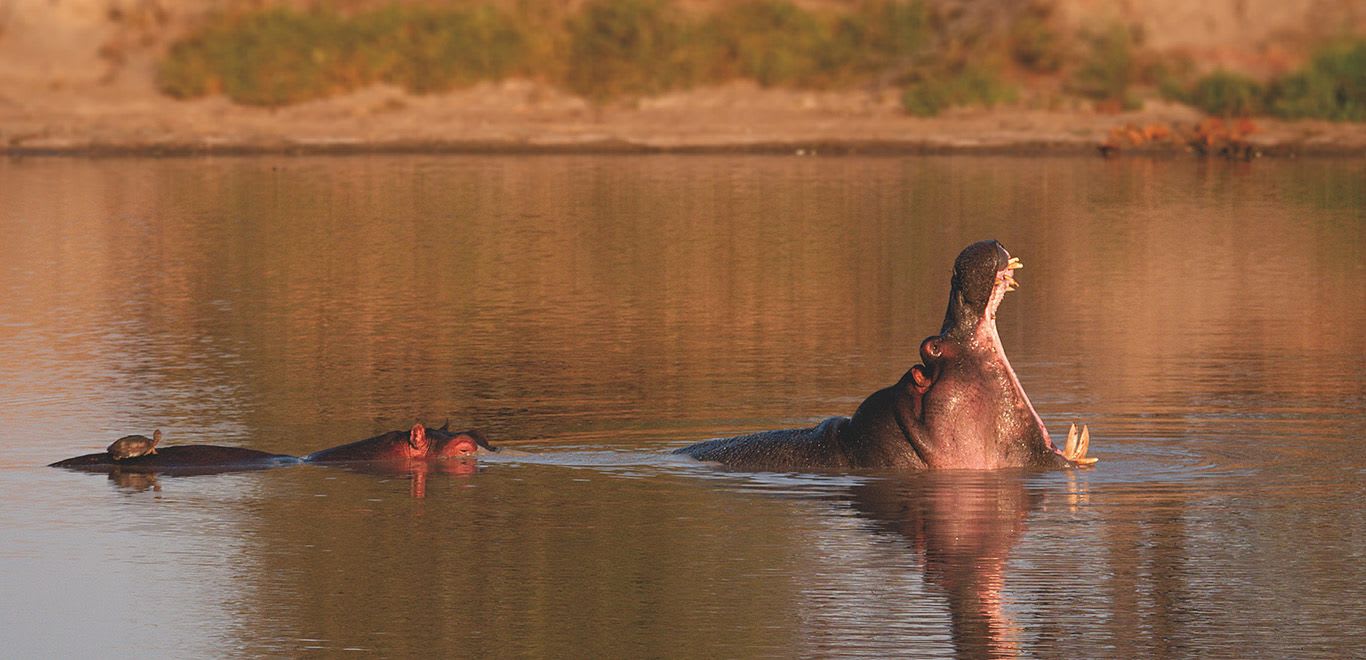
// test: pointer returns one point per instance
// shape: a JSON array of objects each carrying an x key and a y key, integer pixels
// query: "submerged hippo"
[
  {"x": 962, "y": 409},
  {"x": 186, "y": 459},
  {"x": 418, "y": 443},
  {"x": 136, "y": 453}
]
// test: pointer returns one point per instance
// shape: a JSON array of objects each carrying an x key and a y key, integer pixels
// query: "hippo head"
[
  {"x": 457, "y": 445},
  {"x": 964, "y": 407},
  {"x": 982, "y": 275}
]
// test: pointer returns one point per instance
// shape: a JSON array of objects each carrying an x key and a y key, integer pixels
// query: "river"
[{"x": 1207, "y": 319}]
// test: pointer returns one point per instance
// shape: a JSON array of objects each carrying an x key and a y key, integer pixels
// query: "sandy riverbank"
[
  {"x": 77, "y": 78},
  {"x": 523, "y": 117}
]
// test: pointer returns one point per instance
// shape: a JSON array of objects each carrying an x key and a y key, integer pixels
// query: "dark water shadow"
[
  {"x": 417, "y": 472},
  {"x": 962, "y": 528}
]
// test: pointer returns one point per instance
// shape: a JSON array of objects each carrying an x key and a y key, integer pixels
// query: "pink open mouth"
[{"x": 1005, "y": 283}]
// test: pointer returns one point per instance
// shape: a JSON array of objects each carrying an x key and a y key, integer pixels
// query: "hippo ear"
[
  {"x": 920, "y": 379},
  {"x": 447, "y": 425}
]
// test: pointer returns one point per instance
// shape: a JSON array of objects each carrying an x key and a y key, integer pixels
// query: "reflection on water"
[
  {"x": 962, "y": 529},
  {"x": 1205, "y": 318}
]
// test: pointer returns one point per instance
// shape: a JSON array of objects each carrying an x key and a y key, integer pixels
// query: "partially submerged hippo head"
[
  {"x": 458, "y": 445},
  {"x": 418, "y": 443},
  {"x": 417, "y": 452},
  {"x": 964, "y": 406}
]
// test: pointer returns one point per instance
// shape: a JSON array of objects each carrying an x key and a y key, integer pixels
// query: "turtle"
[{"x": 133, "y": 446}]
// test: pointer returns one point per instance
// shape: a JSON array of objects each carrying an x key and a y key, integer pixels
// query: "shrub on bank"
[
  {"x": 282, "y": 56},
  {"x": 884, "y": 39},
  {"x": 930, "y": 95},
  {"x": 272, "y": 57},
  {"x": 427, "y": 50},
  {"x": 1109, "y": 69},
  {"x": 1227, "y": 94},
  {"x": 1332, "y": 86},
  {"x": 1034, "y": 42},
  {"x": 772, "y": 42},
  {"x": 627, "y": 48},
  {"x": 936, "y": 55},
  {"x": 606, "y": 49}
]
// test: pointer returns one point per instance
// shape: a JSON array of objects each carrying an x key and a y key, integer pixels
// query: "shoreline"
[
  {"x": 888, "y": 149},
  {"x": 525, "y": 118}
]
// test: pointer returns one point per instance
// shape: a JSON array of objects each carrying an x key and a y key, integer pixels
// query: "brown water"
[{"x": 1205, "y": 318}]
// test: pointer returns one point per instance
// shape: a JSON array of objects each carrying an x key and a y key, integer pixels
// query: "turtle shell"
[{"x": 133, "y": 446}]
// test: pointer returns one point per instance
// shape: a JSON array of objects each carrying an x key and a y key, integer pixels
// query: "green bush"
[
  {"x": 1034, "y": 43},
  {"x": 267, "y": 58},
  {"x": 605, "y": 49},
  {"x": 880, "y": 36},
  {"x": 776, "y": 42},
  {"x": 429, "y": 50},
  {"x": 1228, "y": 94},
  {"x": 1110, "y": 67},
  {"x": 627, "y": 48},
  {"x": 187, "y": 72},
  {"x": 280, "y": 56},
  {"x": 1332, "y": 86},
  {"x": 1175, "y": 76},
  {"x": 770, "y": 41},
  {"x": 930, "y": 95}
]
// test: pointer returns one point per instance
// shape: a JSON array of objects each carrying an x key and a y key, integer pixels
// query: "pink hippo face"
[
  {"x": 418, "y": 444},
  {"x": 455, "y": 445}
]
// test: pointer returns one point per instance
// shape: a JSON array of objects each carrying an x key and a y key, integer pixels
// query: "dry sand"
[
  {"x": 522, "y": 117},
  {"x": 76, "y": 78}
]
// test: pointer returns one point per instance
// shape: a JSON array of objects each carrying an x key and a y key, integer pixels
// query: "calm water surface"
[{"x": 1205, "y": 318}]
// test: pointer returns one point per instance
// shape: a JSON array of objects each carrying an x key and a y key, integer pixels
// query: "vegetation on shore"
[
  {"x": 620, "y": 49},
  {"x": 1332, "y": 86},
  {"x": 605, "y": 50}
]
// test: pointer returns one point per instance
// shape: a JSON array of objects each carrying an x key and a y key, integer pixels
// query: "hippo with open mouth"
[{"x": 963, "y": 408}]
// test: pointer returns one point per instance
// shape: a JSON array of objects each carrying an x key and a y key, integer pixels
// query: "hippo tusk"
[
  {"x": 1014, "y": 263},
  {"x": 1075, "y": 448}
]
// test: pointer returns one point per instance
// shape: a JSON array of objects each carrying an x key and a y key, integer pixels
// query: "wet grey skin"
[
  {"x": 133, "y": 446},
  {"x": 136, "y": 452},
  {"x": 961, "y": 408}
]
